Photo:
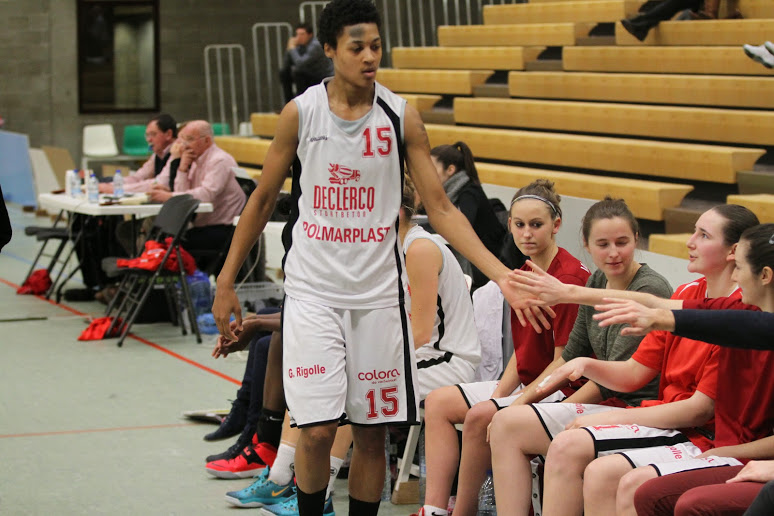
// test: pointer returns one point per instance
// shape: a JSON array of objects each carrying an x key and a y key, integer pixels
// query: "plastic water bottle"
[
  {"x": 199, "y": 288},
  {"x": 387, "y": 488},
  {"x": 422, "y": 466},
  {"x": 75, "y": 183},
  {"x": 118, "y": 184},
  {"x": 92, "y": 189},
  {"x": 486, "y": 497}
]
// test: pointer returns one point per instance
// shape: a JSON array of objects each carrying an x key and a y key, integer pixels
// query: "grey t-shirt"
[{"x": 588, "y": 338}]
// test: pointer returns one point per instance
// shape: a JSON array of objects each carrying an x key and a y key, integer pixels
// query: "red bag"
[
  {"x": 97, "y": 329},
  {"x": 150, "y": 259},
  {"x": 38, "y": 283}
]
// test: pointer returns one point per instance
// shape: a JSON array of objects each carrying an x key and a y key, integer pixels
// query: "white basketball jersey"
[
  {"x": 454, "y": 332},
  {"x": 342, "y": 248}
]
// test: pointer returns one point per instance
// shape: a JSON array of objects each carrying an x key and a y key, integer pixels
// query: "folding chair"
[
  {"x": 137, "y": 284},
  {"x": 45, "y": 234}
]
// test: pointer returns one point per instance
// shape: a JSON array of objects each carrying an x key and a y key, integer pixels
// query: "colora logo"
[{"x": 378, "y": 375}]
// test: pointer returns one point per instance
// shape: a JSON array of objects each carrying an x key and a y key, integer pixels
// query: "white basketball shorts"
[
  {"x": 477, "y": 392},
  {"x": 348, "y": 365}
]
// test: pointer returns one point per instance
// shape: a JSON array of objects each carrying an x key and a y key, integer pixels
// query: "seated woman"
[
  {"x": 639, "y": 26},
  {"x": 457, "y": 171},
  {"x": 623, "y": 438},
  {"x": 535, "y": 218},
  {"x": 744, "y": 408}
]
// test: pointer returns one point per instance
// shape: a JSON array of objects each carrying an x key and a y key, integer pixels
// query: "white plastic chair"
[{"x": 99, "y": 141}]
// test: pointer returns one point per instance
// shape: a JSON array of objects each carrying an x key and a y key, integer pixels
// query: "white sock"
[
  {"x": 431, "y": 509},
  {"x": 335, "y": 467},
  {"x": 282, "y": 471}
]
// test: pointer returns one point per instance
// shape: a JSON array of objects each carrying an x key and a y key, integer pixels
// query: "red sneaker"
[{"x": 249, "y": 463}]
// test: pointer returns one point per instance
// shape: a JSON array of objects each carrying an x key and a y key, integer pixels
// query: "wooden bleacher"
[
  {"x": 680, "y": 123},
  {"x": 265, "y": 124},
  {"x": 760, "y": 204},
  {"x": 756, "y": 8},
  {"x": 465, "y": 58},
  {"x": 445, "y": 82},
  {"x": 691, "y": 90},
  {"x": 246, "y": 151},
  {"x": 660, "y": 159},
  {"x": 557, "y": 12},
  {"x": 707, "y": 33},
  {"x": 670, "y": 245},
  {"x": 610, "y": 109},
  {"x": 647, "y": 199},
  {"x": 666, "y": 60},
  {"x": 255, "y": 174},
  {"x": 546, "y": 34}
]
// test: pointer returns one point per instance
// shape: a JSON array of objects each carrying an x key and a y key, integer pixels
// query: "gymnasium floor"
[{"x": 88, "y": 428}]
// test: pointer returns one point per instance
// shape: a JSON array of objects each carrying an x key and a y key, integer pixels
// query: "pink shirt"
[
  {"x": 210, "y": 179},
  {"x": 143, "y": 178}
]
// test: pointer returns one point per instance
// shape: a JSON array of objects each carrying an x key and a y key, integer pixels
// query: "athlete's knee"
[
  {"x": 599, "y": 478},
  {"x": 478, "y": 418},
  {"x": 632, "y": 481},
  {"x": 440, "y": 404},
  {"x": 571, "y": 448},
  {"x": 317, "y": 437},
  {"x": 369, "y": 439}
]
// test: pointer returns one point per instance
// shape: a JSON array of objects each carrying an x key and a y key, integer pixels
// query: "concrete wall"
[{"x": 38, "y": 62}]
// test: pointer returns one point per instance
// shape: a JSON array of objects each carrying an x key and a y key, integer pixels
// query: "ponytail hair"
[
  {"x": 760, "y": 251},
  {"x": 541, "y": 190},
  {"x": 458, "y": 155},
  {"x": 407, "y": 200}
]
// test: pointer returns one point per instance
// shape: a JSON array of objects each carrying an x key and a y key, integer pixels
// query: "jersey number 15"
[{"x": 384, "y": 138}]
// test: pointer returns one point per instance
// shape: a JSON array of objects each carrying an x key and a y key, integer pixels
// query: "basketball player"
[{"x": 347, "y": 345}]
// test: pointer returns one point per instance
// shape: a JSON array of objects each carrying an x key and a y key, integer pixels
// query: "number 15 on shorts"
[{"x": 388, "y": 402}]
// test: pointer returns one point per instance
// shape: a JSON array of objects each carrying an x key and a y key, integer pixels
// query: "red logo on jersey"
[
  {"x": 306, "y": 372},
  {"x": 678, "y": 454},
  {"x": 378, "y": 375},
  {"x": 341, "y": 175}
]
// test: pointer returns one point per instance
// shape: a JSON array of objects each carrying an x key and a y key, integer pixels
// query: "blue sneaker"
[
  {"x": 261, "y": 492},
  {"x": 290, "y": 508}
]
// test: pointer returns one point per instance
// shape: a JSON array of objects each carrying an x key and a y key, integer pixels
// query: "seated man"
[
  {"x": 305, "y": 62},
  {"x": 160, "y": 133},
  {"x": 200, "y": 168}
]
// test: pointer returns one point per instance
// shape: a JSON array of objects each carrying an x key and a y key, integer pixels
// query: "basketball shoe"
[
  {"x": 261, "y": 492},
  {"x": 249, "y": 463},
  {"x": 290, "y": 508}
]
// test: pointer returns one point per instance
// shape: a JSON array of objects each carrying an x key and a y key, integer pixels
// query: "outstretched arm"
[
  {"x": 256, "y": 213},
  {"x": 547, "y": 290},
  {"x": 447, "y": 220},
  {"x": 621, "y": 376}
]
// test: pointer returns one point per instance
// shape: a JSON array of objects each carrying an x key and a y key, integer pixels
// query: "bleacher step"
[
  {"x": 491, "y": 90},
  {"x": 755, "y": 182},
  {"x": 557, "y": 12},
  {"x": 680, "y": 219}
]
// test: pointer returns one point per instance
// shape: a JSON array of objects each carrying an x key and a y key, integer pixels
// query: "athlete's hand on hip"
[{"x": 227, "y": 303}]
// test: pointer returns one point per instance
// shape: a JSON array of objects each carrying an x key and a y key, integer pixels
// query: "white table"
[{"x": 82, "y": 206}]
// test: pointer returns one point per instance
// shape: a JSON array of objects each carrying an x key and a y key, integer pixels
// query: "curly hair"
[{"x": 342, "y": 13}]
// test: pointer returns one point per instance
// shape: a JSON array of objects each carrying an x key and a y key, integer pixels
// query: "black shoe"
[
  {"x": 638, "y": 31},
  {"x": 233, "y": 424},
  {"x": 245, "y": 438}
]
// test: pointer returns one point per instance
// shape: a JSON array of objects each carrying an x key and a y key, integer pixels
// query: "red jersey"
[
  {"x": 686, "y": 365},
  {"x": 744, "y": 408},
  {"x": 534, "y": 351}
]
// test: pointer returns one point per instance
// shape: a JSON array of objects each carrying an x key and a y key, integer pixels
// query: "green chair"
[
  {"x": 134, "y": 141},
  {"x": 221, "y": 129}
]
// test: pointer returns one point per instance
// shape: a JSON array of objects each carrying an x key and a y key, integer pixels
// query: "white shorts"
[
  {"x": 477, "y": 392},
  {"x": 680, "y": 465},
  {"x": 555, "y": 417},
  {"x": 348, "y": 365},
  {"x": 436, "y": 369}
]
